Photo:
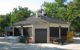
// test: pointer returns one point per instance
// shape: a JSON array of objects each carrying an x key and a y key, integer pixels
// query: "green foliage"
[
  {"x": 74, "y": 15},
  {"x": 16, "y": 15},
  {"x": 2, "y": 22},
  {"x": 22, "y": 39},
  {"x": 67, "y": 12},
  {"x": 19, "y": 14},
  {"x": 55, "y": 10},
  {"x": 75, "y": 26},
  {"x": 60, "y": 1}
]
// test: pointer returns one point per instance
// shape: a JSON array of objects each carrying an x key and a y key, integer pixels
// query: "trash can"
[{"x": 70, "y": 37}]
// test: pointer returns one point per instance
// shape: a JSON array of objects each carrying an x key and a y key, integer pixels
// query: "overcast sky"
[{"x": 7, "y": 6}]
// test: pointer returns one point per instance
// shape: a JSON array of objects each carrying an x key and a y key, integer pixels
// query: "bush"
[{"x": 22, "y": 39}]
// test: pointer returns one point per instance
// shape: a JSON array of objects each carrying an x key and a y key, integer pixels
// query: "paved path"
[{"x": 17, "y": 46}]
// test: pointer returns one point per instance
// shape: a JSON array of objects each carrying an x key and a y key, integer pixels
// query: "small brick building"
[{"x": 41, "y": 29}]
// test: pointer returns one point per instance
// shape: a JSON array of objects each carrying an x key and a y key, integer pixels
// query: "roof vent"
[{"x": 40, "y": 13}]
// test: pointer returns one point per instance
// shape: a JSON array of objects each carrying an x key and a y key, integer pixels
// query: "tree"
[
  {"x": 56, "y": 9},
  {"x": 75, "y": 13},
  {"x": 75, "y": 26},
  {"x": 67, "y": 12},
  {"x": 19, "y": 14},
  {"x": 1, "y": 22},
  {"x": 16, "y": 15}
]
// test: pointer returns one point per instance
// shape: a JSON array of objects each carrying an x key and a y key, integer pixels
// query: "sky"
[{"x": 7, "y": 6}]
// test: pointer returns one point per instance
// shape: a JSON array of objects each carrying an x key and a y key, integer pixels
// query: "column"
[
  {"x": 13, "y": 31},
  {"x": 48, "y": 35},
  {"x": 33, "y": 34},
  {"x": 21, "y": 30},
  {"x": 59, "y": 32}
]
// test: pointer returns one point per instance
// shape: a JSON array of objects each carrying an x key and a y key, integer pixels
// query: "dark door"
[{"x": 40, "y": 35}]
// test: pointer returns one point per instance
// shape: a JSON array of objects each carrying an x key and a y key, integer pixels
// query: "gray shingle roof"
[{"x": 33, "y": 19}]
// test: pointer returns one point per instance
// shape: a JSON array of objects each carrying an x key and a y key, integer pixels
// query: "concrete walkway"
[{"x": 18, "y": 46}]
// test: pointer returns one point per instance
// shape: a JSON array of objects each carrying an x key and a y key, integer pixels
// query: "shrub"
[{"x": 22, "y": 39}]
